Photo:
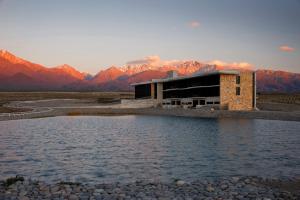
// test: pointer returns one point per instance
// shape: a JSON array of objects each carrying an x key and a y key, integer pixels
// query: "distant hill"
[
  {"x": 277, "y": 81},
  {"x": 17, "y": 74},
  {"x": 24, "y": 75}
]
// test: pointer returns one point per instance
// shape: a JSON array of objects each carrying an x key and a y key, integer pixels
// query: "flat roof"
[{"x": 200, "y": 74}]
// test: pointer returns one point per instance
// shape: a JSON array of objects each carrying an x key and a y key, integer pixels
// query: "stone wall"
[{"x": 228, "y": 98}]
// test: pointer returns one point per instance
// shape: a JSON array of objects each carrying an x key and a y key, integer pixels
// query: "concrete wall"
[
  {"x": 137, "y": 103},
  {"x": 159, "y": 94},
  {"x": 228, "y": 98}
]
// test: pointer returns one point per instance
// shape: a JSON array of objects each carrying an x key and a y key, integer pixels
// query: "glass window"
[
  {"x": 238, "y": 79},
  {"x": 238, "y": 90}
]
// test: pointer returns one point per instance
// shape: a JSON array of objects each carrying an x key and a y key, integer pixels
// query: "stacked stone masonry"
[{"x": 228, "y": 97}]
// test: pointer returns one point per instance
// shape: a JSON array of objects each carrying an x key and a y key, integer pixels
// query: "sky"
[{"x": 92, "y": 35}]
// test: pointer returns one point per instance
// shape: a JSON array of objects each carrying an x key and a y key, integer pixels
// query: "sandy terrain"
[
  {"x": 23, "y": 105},
  {"x": 72, "y": 107}
]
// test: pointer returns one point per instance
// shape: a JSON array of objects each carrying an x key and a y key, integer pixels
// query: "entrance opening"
[
  {"x": 195, "y": 103},
  {"x": 202, "y": 102}
]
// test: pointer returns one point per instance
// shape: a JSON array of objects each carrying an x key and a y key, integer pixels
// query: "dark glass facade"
[
  {"x": 192, "y": 82},
  {"x": 207, "y": 86},
  {"x": 196, "y": 92},
  {"x": 202, "y": 86},
  {"x": 143, "y": 91}
]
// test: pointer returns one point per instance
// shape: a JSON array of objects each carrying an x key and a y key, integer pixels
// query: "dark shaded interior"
[
  {"x": 196, "y": 92},
  {"x": 143, "y": 91},
  {"x": 181, "y": 88},
  {"x": 192, "y": 82}
]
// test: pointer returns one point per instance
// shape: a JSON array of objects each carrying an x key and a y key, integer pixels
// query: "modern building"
[{"x": 225, "y": 89}]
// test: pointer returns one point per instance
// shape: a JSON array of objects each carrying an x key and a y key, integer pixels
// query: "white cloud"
[
  {"x": 239, "y": 65},
  {"x": 153, "y": 60},
  {"x": 286, "y": 48},
  {"x": 156, "y": 61}
]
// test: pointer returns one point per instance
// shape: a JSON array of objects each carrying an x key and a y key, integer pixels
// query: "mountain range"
[{"x": 17, "y": 74}]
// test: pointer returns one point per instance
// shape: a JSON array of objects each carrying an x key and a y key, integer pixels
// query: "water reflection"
[{"x": 128, "y": 148}]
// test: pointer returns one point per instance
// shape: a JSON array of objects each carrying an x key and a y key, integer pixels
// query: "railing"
[{"x": 188, "y": 88}]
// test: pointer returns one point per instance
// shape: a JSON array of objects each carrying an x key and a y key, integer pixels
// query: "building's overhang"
[
  {"x": 142, "y": 83},
  {"x": 200, "y": 74}
]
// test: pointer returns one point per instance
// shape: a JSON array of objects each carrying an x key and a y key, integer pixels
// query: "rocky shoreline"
[{"x": 221, "y": 188}]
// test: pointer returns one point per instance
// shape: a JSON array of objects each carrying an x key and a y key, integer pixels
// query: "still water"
[{"x": 129, "y": 148}]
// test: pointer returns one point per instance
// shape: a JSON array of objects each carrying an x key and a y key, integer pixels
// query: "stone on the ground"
[
  {"x": 180, "y": 183},
  {"x": 225, "y": 188}
]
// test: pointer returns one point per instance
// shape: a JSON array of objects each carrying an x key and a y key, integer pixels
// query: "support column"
[
  {"x": 159, "y": 93},
  {"x": 152, "y": 91},
  {"x": 254, "y": 91}
]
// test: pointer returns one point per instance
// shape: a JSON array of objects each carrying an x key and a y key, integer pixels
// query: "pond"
[{"x": 157, "y": 148}]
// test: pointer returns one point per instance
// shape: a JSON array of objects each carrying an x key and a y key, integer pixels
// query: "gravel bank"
[
  {"x": 51, "y": 108},
  {"x": 225, "y": 188}
]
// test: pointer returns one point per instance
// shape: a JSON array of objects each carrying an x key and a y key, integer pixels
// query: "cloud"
[
  {"x": 147, "y": 60},
  {"x": 153, "y": 60},
  {"x": 286, "y": 48},
  {"x": 238, "y": 65},
  {"x": 194, "y": 24}
]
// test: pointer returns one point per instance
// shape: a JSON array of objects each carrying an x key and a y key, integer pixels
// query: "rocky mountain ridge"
[{"x": 17, "y": 74}]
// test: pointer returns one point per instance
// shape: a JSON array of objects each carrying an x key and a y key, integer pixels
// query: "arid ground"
[
  {"x": 279, "y": 102},
  {"x": 101, "y": 97},
  {"x": 47, "y": 104}
]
